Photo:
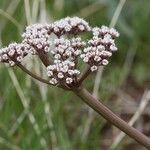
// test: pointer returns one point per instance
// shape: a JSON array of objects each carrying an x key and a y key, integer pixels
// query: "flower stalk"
[
  {"x": 32, "y": 74},
  {"x": 111, "y": 117},
  {"x": 84, "y": 75}
]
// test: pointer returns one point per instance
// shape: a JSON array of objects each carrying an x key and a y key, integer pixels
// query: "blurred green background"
[{"x": 36, "y": 117}]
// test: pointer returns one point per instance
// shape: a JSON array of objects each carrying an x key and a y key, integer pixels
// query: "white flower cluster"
[
  {"x": 70, "y": 25},
  {"x": 65, "y": 48},
  {"x": 37, "y": 36},
  {"x": 14, "y": 53},
  {"x": 65, "y": 53},
  {"x": 100, "y": 48},
  {"x": 62, "y": 72},
  {"x": 36, "y": 40}
]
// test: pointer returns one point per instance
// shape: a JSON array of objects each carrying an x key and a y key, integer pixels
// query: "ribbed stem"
[
  {"x": 84, "y": 75},
  {"x": 112, "y": 118}
]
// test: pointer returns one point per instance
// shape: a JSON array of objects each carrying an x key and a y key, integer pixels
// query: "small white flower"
[
  {"x": 67, "y": 28},
  {"x": 113, "y": 48},
  {"x": 57, "y": 56},
  {"x": 97, "y": 58},
  {"x": 106, "y": 53},
  {"x": 53, "y": 81},
  {"x": 11, "y": 52},
  {"x": 77, "y": 52},
  {"x": 39, "y": 46},
  {"x": 56, "y": 29},
  {"x": 94, "y": 68},
  {"x": 71, "y": 72},
  {"x": 100, "y": 47},
  {"x": 5, "y": 57},
  {"x": 61, "y": 50},
  {"x": 85, "y": 59},
  {"x": 114, "y": 32},
  {"x": 60, "y": 75},
  {"x": 19, "y": 58},
  {"x": 69, "y": 80},
  {"x": 81, "y": 27},
  {"x": 105, "y": 62},
  {"x": 77, "y": 72},
  {"x": 65, "y": 69},
  {"x": 72, "y": 64},
  {"x": 12, "y": 63},
  {"x": 49, "y": 73},
  {"x": 46, "y": 49}
]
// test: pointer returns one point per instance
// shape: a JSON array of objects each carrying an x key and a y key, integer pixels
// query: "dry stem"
[{"x": 111, "y": 117}]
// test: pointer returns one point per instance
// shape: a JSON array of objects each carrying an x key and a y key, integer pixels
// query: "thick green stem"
[{"x": 112, "y": 118}]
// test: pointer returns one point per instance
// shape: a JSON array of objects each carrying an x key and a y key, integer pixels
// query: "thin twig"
[
  {"x": 33, "y": 75},
  {"x": 39, "y": 78},
  {"x": 144, "y": 101}
]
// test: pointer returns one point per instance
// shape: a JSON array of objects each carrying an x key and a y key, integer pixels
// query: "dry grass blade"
[
  {"x": 112, "y": 24},
  {"x": 6, "y": 15},
  {"x": 18, "y": 122},
  {"x": 91, "y": 111},
  {"x": 117, "y": 13},
  {"x": 43, "y": 11},
  {"x": 87, "y": 11},
  {"x": 9, "y": 145},
  {"x": 48, "y": 115},
  {"x": 47, "y": 110},
  {"x": 43, "y": 88},
  {"x": 28, "y": 11},
  {"x": 8, "y": 11},
  {"x": 35, "y": 8},
  {"x": 24, "y": 101}
]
